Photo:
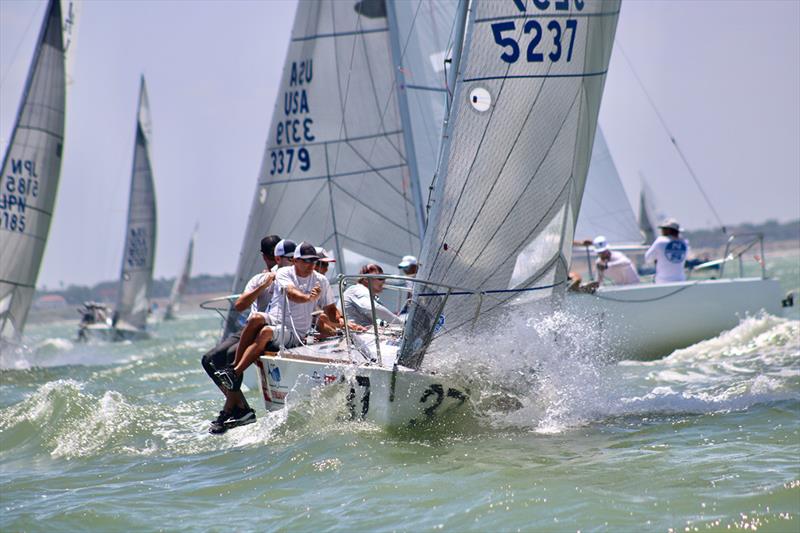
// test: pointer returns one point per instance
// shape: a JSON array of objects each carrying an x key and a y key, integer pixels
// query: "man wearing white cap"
[
  {"x": 408, "y": 266},
  {"x": 669, "y": 251},
  {"x": 613, "y": 265}
]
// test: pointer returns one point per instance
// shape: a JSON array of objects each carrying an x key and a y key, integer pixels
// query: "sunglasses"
[{"x": 308, "y": 260}]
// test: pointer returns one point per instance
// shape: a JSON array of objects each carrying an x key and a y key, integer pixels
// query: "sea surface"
[{"x": 114, "y": 438}]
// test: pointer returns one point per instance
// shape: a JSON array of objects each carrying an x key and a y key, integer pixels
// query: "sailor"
[
  {"x": 669, "y": 251},
  {"x": 325, "y": 327},
  {"x": 408, "y": 267},
  {"x": 613, "y": 265},
  {"x": 357, "y": 306},
  {"x": 236, "y": 411},
  {"x": 300, "y": 288}
]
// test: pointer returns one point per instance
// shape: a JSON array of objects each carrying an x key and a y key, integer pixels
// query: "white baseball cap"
[
  {"x": 407, "y": 261},
  {"x": 600, "y": 244},
  {"x": 324, "y": 255}
]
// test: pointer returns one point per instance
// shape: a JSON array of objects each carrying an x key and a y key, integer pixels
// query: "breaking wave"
[{"x": 538, "y": 373}]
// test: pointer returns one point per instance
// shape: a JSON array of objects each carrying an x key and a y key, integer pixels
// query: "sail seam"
[
  {"x": 42, "y": 130},
  {"x": 550, "y": 16},
  {"x": 338, "y": 34},
  {"x": 370, "y": 208},
  {"x": 538, "y": 76}
]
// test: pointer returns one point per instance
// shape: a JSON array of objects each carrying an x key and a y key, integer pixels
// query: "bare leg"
[
  {"x": 251, "y": 330},
  {"x": 254, "y": 350}
]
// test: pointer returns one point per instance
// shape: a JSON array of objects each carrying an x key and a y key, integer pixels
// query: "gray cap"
[{"x": 670, "y": 223}]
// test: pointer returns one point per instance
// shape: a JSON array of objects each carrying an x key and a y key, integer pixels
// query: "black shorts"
[{"x": 220, "y": 356}]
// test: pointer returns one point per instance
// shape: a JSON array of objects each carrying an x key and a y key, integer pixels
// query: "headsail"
[
  {"x": 30, "y": 172},
  {"x": 179, "y": 287},
  {"x": 605, "y": 209},
  {"x": 334, "y": 171},
  {"x": 515, "y": 159},
  {"x": 140, "y": 235}
]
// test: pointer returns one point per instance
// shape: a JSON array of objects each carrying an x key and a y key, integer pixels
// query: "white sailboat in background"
[
  {"x": 31, "y": 168},
  {"x": 649, "y": 321},
  {"x": 510, "y": 180},
  {"x": 181, "y": 282},
  {"x": 129, "y": 319}
]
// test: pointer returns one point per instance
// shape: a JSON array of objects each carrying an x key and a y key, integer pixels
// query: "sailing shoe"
[
  {"x": 240, "y": 417},
  {"x": 218, "y": 424}
]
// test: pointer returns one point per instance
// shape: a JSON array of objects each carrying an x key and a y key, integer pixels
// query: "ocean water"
[{"x": 114, "y": 438}]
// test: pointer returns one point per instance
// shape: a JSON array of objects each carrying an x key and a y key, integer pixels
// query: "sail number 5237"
[{"x": 563, "y": 39}]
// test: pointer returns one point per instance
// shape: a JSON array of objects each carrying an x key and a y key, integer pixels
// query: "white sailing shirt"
[
  {"x": 358, "y": 309},
  {"x": 261, "y": 303},
  {"x": 298, "y": 314},
  {"x": 670, "y": 255},
  {"x": 620, "y": 270}
]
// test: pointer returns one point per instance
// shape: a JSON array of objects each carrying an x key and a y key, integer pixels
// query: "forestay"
[
  {"x": 515, "y": 159},
  {"x": 605, "y": 209},
  {"x": 140, "y": 237},
  {"x": 30, "y": 172},
  {"x": 334, "y": 171}
]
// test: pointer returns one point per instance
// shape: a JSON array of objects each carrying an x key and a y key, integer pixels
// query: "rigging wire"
[
  {"x": 674, "y": 141},
  {"x": 35, "y": 15}
]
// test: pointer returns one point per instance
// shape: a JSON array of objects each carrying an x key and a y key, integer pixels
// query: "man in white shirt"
[
  {"x": 303, "y": 286},
  {"x": 357, "y": 305},
  {"x": 669, "y": 251},
  {"x": 236, "y": 411},
  {"x": 409, "y": 267},
  {"x": 613, "y": 265}
]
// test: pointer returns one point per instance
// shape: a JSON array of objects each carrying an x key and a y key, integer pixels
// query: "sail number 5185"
[{"x": 563, "y": 39}]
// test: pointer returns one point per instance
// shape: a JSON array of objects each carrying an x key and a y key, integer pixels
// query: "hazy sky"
[{"x": 724, "y": 75}]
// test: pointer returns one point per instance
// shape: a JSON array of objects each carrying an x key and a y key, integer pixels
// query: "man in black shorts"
[{"x": 236, "y": 411}]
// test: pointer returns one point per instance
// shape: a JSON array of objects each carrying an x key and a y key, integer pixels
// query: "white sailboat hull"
[
  {"x": 646, "y": 322},
  {"x": 120, "y": 333},
  {"x": 391, "y": 398}
]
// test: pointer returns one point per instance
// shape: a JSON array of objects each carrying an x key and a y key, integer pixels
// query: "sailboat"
[
  {"x": 181, "y": 282},
  {"x": 649, "y": 321},
  {"x": 30, "y": 172},
  {"x": 508, "y": 186},
  {"x": 129, "y": 319}
]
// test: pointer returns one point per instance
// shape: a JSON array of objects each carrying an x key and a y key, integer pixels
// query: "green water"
[{"x": 113, "y": 438}]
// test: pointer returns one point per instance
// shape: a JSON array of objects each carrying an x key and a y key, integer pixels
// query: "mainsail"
[
  {"x": 605, "y": 209},
  {"x": 179, "y": 287},
  {"x": 335, "y": 171},
  {"x": 514, "y": 161},
  {"x": 30, "y": 172},
  {"x": 138, "y": 256}
]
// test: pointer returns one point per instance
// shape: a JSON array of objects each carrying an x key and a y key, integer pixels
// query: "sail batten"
[
  {"x": 30, "y": 174},
  {"x": 513, "y": 161}
]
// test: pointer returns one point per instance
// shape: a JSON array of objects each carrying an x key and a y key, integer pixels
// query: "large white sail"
[
  {"x": 179, "y": 287},
  {"x": 334, "y": 171},
  {"x": 30, "y": 172},
  {"x": 605, "y": 209},
  {"x": 140, "y": 235},
  {"x": 515, "y": 159}
]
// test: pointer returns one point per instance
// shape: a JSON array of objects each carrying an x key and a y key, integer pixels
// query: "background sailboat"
[
  {"x": 179, "y": 287},
  {"x": 133, "y": 301},
  {"x": 30, "y": 174}
]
